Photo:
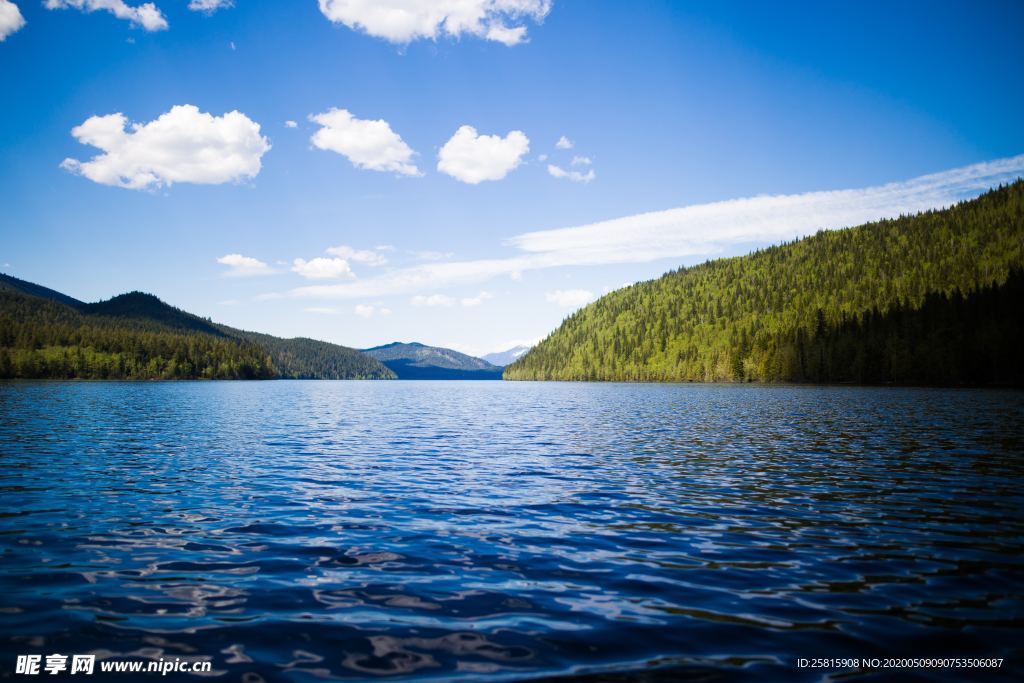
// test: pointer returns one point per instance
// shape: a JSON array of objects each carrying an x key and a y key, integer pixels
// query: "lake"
[{"x": 298, "y": 531}]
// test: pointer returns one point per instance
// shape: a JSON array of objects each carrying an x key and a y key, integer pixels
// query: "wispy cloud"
[
  {"x": 427, "y": 255},
  {"x": 402, "y": 21},
  {"x": 569, "y": 298},
  {"x": 690, "y": 232},
  {"x": 370, "y": 257},
  {"x": 575, "y": 176},
  {"x": 323, "y": 268},
  {"x": 471, "y": 301},
  {"x": 369, "y": 310},
  {"x": 209, "y": 6},
  {"x": 244, "y": 266},
  {"x": 146, "y": 15},
  {"x": 432, "y": 300}
]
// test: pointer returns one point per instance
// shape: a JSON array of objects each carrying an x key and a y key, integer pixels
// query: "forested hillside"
[
  {"x": 916, "y": 299},
  {"x": 46, "y": 334}
]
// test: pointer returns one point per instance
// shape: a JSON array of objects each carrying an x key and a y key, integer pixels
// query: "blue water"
[{"x": 299, "y": 531}]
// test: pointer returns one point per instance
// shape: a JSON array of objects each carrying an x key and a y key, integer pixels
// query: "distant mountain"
[
  {"x": 506, "y": 357},
  {"x": 418, "y": 361},
  {"x": 933, "y": 298},
  {"x": 47, "y": 334}
]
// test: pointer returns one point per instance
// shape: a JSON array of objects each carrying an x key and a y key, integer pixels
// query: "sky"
[{"x": 466, "y": 173}]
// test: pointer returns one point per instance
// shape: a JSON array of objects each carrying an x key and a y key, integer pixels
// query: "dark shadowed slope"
[{"x": 10, "y": 283}]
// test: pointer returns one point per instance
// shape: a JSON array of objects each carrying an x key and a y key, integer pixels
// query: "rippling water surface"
[{"x": 487, "y": 530}]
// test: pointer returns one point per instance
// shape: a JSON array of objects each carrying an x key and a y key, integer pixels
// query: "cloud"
[
  {"x": 183, "y": 145},
  {"x": 323, "y": 269},
  {"x": 209, "y": 6},
  {"x": 474, "y": 158},
  {"x": 432, "y": 300},
  {"x": 403, "y": 21},
  {"x": 564, "y": 143},
  {"x": 368, "y": 311},
  {"x": 146, "y": 15},
  {"x": 569, "y": 298},
  {"x": 691, "y": 232},
  {"x": 477, "y": 300},
  {"x": 575, "y": 176},
  {"x": 369, "y": 144},
  {"x": 581, "y": 161},
  {"x": 244, "y": 266},
  {"x": 291, "y": 124},
  {"x": 370, "y": 258},
  {"x": 320, "y": 310},
  {"x": 10, "y": 19},
  {"x": 428, "y": 255}
]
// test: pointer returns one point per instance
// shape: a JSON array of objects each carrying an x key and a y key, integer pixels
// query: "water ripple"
[{"x": 299, "y": 531}]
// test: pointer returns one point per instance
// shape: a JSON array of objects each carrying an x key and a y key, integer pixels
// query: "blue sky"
[{"x": 678, "y": 108}]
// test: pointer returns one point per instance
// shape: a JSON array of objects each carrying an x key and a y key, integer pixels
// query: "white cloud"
[
  {"x": 244, "y": 266},
  {"x": 581, "y": 161},
  {"x": 569, "y": 298},
  {"x": 385, "y": 247},
  {"x": 183, "y": 145},
  {"x": 474, "y": 158},
  {"x": 209, "y": 6},
  {"x": 229, "y": 302},
  {"x": 146, "y": 15},
  {"x": 369, "y": 144},
  {"x": 323, "y": 269},
  {"x": 542, "y": 157},
  {"x": 291, "y": 124},
  {"x": 477, "y": 300},
  {"x": 402, "y": 21},
  {"x": 370, "y": 258},
  {"x": 320, "y": 310},
  {"x": 368, "y": 311},
  {"x": 574, "y": 176},
  {"x": 10, "y": 19},
  {"x": 432, "y": 301},
  {"x": 692, "y": 232},
  {"x": 428, "y": 255},
  {"x": 564, "y": 143}
]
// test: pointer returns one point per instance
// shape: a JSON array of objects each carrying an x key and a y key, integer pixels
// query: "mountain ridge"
[
  {"x": 757, "y": 317},
  {"x": 415, "y": 360},
  {"x": 45, "y": 333}
]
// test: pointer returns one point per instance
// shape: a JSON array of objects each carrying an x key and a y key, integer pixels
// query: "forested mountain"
[
  {"x": 929, "y": 298},
  {"x": 46, "y": 334},
  {"x": 304, "y": 358},
  {"x": 419, "y": 361}
]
